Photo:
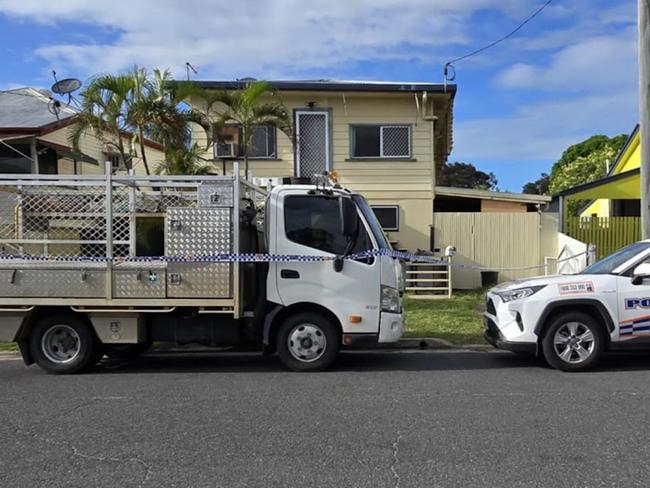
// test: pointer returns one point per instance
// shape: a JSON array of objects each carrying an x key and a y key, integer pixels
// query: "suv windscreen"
[
  {"x": 608, "y": 264},
  {"x": 315, "y": 221}
]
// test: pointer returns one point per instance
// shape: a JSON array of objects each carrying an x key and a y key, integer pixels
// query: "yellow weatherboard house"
[{"x": 617, "y": 194}]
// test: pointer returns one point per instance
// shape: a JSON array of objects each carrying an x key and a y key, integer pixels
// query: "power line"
[{"x": 449, "y": 64}]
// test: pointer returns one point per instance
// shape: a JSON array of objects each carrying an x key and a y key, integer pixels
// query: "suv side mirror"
[
  {"x": 349, "y": 217},
  {"x": 640, "y": 272}
]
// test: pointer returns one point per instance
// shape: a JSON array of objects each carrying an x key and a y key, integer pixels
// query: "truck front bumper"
[{"x": 391, "y": 327}]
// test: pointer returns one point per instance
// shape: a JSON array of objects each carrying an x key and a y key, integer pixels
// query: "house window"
[
  {"x": 388, "y": 216},
  {"x": 380, "y": 141},
  {"x": 263, "y": 142},
  {"x": 115, "y": 160}
]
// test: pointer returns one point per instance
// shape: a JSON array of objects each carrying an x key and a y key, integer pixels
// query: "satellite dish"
[{"x": 66, "y": 86}]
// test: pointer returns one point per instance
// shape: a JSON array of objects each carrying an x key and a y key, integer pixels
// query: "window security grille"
[{"x": 381, "y": 141}]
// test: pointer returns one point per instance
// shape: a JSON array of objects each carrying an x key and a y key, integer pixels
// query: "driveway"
[{"x": 380, "y": 419}]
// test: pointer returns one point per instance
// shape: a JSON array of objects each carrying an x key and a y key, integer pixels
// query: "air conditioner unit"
[{"x": 225, "y": 150}]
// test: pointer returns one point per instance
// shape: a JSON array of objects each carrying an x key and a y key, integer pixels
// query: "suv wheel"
[{"x": 573, "y": 342}]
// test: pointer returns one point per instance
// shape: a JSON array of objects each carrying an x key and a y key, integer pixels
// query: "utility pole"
[{"x": 644, "y": 113}]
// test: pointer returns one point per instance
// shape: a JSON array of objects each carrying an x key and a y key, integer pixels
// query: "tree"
[
  {"x": 465, "y": 175},
  {"x": 539, "y": 186},
  {"x": 134, "y": 106},
  {"x": 582, "y": 163},
  {"x": 247, "y": 109},
  {"x": 102, "y": 112},
  {"x": 588, "y": 146},
  {"x": 183, "y": 161}
]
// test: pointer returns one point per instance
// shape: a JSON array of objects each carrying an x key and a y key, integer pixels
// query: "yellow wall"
[
  {"x": 629, "y": 160},
  {"x": 407, "y": 183},
  {"x": 93, "y": 147}
]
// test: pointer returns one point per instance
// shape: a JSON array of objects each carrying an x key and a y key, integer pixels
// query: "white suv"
[{"x": 572, "y": 319}]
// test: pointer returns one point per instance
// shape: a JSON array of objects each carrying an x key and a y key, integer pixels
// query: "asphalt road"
[{"x": 407, "y": 419}]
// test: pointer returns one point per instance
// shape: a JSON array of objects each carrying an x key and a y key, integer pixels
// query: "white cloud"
[
  {"x": 542, "y": 130},
  {"x": 594, "y": 63},
  {"x": 248, "y": 37}
]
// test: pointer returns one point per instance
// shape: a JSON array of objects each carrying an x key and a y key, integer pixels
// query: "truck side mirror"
[
  {"x": 640, "y": 272},
  {"x": 349, "y": 217}
]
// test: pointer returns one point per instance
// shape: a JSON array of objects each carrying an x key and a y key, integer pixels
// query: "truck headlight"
[
  {"x": 519, "y": 293},
  {"x": 390, "y": 301}
]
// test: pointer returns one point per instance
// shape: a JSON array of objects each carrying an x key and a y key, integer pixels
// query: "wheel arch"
[
  {"x": 594, "y": 308},
  {"x": 279, "y": 313},
  {"x": 32, "y": 317}
]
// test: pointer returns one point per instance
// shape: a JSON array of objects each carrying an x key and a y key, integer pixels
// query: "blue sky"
[{"x": 569, "y": 74}]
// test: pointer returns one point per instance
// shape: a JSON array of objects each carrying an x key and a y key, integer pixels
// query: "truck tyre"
[
  {"x": 126, "y": 351},
  {"x": 63, "y": 344},
  {"x": 573, "y": 341},
  {"x": 308, "y": 342}
]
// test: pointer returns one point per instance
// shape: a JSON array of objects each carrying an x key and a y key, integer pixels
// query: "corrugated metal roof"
[
  {"x": 29, "y": 108},
  {"x": 336, "y": 85},
  {"x": 449, "y": 191}
]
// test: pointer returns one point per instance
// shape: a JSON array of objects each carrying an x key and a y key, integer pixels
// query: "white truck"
[
  {"x": 105, "y": 264},
  {"x": 572, "y": 319}
]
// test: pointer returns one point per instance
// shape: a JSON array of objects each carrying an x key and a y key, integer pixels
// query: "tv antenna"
[{"x": 188, "y": 68}]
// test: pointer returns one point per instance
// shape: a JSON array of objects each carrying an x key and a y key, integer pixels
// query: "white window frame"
[
  {"x": 382, "y": 127},
  {"x": 392, "y": 207}
]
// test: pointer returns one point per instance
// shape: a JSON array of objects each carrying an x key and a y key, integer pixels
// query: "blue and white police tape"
[{"x": 7, "y": 259}]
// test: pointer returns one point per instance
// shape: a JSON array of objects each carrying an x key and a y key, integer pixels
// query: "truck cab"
[{"x": 360, "y": 295}]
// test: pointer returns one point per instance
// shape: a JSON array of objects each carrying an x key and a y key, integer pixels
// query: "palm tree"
[
  {"x": 183, "y": 161},
  {"x": 103, "y": 113},
  {"x": 247, "y": 109},
  {"x": 135, "y": 106}
]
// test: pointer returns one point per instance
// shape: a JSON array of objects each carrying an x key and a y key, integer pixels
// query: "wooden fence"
[
  {"x": 498, "y": 241},
  {"x": 607, "y": 233}
]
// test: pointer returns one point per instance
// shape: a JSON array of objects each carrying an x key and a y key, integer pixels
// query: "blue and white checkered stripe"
[
  {"x": 640, "y": 326},
  {"x": 224, "y": 258}
]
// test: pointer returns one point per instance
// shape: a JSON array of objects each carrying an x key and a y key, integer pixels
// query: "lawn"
[
  {"x": 8, "y": 346},
  {"x": 455, "y": 320}
]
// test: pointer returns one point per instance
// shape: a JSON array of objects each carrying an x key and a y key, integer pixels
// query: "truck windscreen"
[{"x": 373, "y": 223}]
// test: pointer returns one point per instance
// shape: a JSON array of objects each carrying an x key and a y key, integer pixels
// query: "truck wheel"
[
  {"x": 307, "y": 342},
  {"x": 63, "y": 344},
  {"x": 573, "y": 342},
  {"x": 126, "y": 351}
]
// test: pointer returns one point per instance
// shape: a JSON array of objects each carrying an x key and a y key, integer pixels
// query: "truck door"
[{"x": 310, "y": 224}]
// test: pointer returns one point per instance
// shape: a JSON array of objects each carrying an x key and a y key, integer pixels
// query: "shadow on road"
[{"x": 357, "y": 361}]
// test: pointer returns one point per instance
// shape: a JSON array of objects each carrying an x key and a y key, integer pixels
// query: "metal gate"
[{"x": 313, "y": 142}]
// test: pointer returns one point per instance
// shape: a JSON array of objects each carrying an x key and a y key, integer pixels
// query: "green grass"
[
  {"x": 455, "y": 320},
  {"x": 8, "y": 346}
]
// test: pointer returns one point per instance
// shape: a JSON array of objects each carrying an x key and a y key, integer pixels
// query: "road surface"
[{"x": 381, "y": 419}]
